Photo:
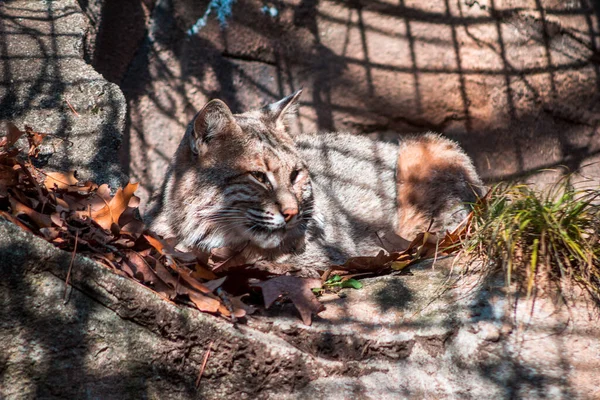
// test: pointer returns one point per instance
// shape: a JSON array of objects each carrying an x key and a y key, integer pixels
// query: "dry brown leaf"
[
  {"x": 57, "y": 219},
  {"x": 449, "y": 244},
  {"x": 34, "y": 139},
  {"x": 14, "y": 220},
  {"x": 83, "y": 187},
  {"x": 12, "y": 135},
  {"x": 140, "y": 268},
  {"x": 202, "y": 273},
  {"x": 60, "y": 180},
  {"x": 298, "y": 290},
  {"x": 125, "y": 242},
  {"x": 224, "y": 258},
  {"x": 191, "y": 282},
  {"x": 164, "y": 274},
  {"x": 365, "y": 263},
  {"x": 238, "y": 304},
  {"x": 214, "y": 284},
  {"x": 166, "y": 249},
  {"x": 136, "y": 267},
  {"x": 205, "y": 303},
  {"x": 426, "y": 245},
  {"x": 158, "y": 244},
  {"x": 8, "y": 178},
  {"x": 18, "y": 208},
  {"x": 130, "y": 224},
  {"x": 224, "y": 311},
  {"x": 110, "y": 214},
  {"x": 98, "y": 200}
]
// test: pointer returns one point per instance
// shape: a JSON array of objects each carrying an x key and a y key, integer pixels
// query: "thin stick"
[
  {"x": 203, "y": 364},
  {"x": 381, "y": 242},
  {"x": 70, "y": 267},
  {"x": 71, "y": 107}
]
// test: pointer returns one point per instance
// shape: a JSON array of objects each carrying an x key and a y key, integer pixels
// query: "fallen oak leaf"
[
  {"x": 15, "y": 221},
  {"x": 166, "y": 249},
  {"x": 83, "y": 187},
  {"x": 110, "y": 213},
  {"x": 165, "y": 275},
  {"x": 123, "y": 242},
  {"x": 189, "y": 280},
  {"x": 200, "y": 272},
  {"x": 194, "y": 283},
  {"x": 215, "y": 283},
  {"x": 238, "y": 304},
  {"x": 141, "y": 269},
  {"x": 130, "y": 224},
  {"x": 158, "y": 244},
  {"x": 204, "y": 303},
  {"x": 34, "y": 139},
  {"x": 136, "y": 267},
  {"x": 59, "y": 202},
  {"x": 399, "y": 265},
  {"x": 18, "y": 208},
  {"x": 57, "y": 219},
  {"x": 452, "y": 240},
  {"x": 426, "y": 245},
  {"x": 364, "y": 263},
  {"x": 133, "y": 229},
  {"x": 8, "y": 178},
  {"x": 223, "y": 258},
  {"x": 298, "y": 290},
  {"x": 59, "y": 180},
  {"x": 98, "y": 200},
  {"x": 30, "y": 175},
  {"x": 12, "y": 135},
  {"x": 227, "y": 309},
  {"x": 223, "y": 310}
]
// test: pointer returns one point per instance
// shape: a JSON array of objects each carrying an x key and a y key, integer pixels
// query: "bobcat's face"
[{"x": 251, "y": 185}]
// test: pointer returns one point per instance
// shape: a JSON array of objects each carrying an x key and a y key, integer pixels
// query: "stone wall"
[{"x": 514, "y": 81}]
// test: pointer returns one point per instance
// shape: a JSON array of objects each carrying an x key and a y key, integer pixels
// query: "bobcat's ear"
[
  {"x": 214, "y": 119},
  {"x": 285, "y": 110}
]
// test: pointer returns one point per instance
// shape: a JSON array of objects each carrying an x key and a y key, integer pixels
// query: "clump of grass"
[{"x": 539, "y": 238}]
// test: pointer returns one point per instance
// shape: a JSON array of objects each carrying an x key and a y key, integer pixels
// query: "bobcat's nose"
[{"x": 289, "y": 213}]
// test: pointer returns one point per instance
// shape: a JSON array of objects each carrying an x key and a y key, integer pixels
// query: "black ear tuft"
[
  {"x": 284, "y": 110},
  {"x": 214, "y": 119}
]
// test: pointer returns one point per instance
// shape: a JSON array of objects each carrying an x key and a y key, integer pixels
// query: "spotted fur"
[{"x": 242, "y": 181}]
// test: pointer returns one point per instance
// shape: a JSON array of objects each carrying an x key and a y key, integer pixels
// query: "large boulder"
[
  {"x": 46, "y": 84},
  {"x": 423, "y": 334}
]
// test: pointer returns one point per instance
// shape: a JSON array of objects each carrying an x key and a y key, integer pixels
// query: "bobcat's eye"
[
  {"x": 260, "y": 176},
  {"x": 294, "y": 175}
]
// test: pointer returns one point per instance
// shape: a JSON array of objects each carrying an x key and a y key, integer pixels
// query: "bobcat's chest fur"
[{"x": 242, "y": 181}]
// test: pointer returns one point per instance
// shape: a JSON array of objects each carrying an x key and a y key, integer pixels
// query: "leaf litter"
[{"x": 83, "y": 217}]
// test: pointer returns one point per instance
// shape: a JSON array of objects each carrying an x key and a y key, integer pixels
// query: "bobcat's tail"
[{"x": 436, "y": 181}]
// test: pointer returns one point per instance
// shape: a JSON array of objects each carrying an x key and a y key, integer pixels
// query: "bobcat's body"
[{"x": 311, "y": 201}]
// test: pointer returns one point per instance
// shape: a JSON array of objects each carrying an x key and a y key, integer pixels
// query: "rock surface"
[
  {"x": 404, "y": 336},
  {"x": 46, "y": 84}
]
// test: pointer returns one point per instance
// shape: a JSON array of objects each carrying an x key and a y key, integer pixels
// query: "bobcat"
[{"x": 242, "y": 181}]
